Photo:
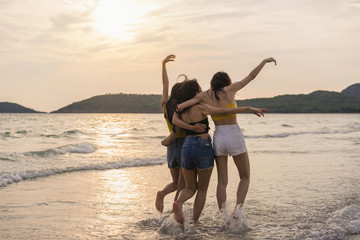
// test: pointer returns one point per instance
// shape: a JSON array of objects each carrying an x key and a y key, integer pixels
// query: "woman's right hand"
[
  {"x": 169, "y": 58},
  {"x": 199, "y": 128}
]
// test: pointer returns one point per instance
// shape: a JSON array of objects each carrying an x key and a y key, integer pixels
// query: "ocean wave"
[
  {"x": 70, "y": 148},
  {"x": 8, "y": 178},
  {"x": 50, "y": 135},
  {"x": 66, "y": 134},
  {"x": 22, "y": 132},
  {"x": 6, "y": 159},
  {"x": 318, "y": 132},
  {"x": 6, "y": 135},
  {"x": 280, "y": 152},
  {"x": 16, "y": 134}
]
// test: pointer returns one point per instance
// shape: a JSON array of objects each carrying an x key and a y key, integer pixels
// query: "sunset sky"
[{"x": 53, "y": 53}]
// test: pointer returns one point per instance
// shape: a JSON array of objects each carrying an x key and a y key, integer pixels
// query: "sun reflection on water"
[{"x": 113, "y": 133}]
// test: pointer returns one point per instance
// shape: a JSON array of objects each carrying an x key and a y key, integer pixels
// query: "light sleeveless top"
[
  {"x": 222, "y": 117},
  {"x": 181, "y": 133}
]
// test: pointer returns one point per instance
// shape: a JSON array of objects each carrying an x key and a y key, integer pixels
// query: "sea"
[{"x": 95, "y": 176}]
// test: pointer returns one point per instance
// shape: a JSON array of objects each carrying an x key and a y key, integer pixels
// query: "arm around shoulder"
[{"x": 190, "y": 102}]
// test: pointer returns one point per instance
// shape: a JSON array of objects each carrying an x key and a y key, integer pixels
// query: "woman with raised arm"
[
  {"x": 176, "y": 139},
  {"x": 197, "y": 155},
  {"x": 228, "y": 137}
]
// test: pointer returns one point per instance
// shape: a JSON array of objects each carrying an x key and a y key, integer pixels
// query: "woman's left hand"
[{"x": 258, "y": 111}]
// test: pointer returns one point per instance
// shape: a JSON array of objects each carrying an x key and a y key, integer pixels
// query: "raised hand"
[
  {"x": 169, "y": 58},
  {"x": 258, "y": 111},
  {"x": 268, "y": 60}
]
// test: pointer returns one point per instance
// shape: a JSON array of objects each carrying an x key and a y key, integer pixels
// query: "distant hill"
[
  {"x": 6, "y": 107},
  {"x": 353, "y": 90},
  {"x": 315, "y": 102},
  {"x": 348, "y": 101},
  {"x": 115, "y": 103}
]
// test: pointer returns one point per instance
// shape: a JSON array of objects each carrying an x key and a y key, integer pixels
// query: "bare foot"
[
  {"x": 239, "y": 206},
  {"x": 159, "y": 202},
  {"x": 178, "y": 213}
]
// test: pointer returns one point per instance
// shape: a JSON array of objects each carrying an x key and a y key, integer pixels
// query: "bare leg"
[
  {"x": 169, "y": 188},
  {"x": 181, "y": 184},
  {"x": 243, "y": 165},
  {"x": 222, "y": 171},
  {"x": 203, "y": 184},
  {"x": 185, "y": 194}
]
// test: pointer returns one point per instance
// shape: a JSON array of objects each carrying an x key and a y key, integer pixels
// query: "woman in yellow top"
[
  {"x": 228, "y": 137},
  {"x": 176, "y": 139}
]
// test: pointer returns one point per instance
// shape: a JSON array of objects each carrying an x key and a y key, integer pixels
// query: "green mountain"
[
  {"x": 6, "y": 107},
  {"x": 315, "y": 102},
  {"x": 353, "y": 90},
  {"x": 115, "y": 103},
  {"x": 348, "y": 101}
]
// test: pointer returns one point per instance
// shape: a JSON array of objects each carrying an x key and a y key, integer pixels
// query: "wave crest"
[
  {"x": 71, "y": 148},
  {"x": 9, "y": 178},
  {"x": 352, "y": 128}
]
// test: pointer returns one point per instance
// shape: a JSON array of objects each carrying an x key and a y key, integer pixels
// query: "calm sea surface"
[{"x": 305, "y": 181}]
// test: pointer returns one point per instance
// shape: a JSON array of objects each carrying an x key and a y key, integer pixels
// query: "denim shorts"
[
  {"x": 174, "y": 153},
  {"x": 197, "y": 153}
]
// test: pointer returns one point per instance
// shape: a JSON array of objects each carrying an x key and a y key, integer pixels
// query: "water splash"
[
  {"x": 172, "y": 227},
  {"x": 234, "y": 220}
]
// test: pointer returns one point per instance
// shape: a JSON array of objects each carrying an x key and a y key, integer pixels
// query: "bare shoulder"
[
  {"x": 207, "y": 97},
  {"x": 202, "y": 95},
  {"x": 230, "y": 91}
]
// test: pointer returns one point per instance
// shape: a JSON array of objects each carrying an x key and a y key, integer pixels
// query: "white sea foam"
[
  {"x": 345, "y": 221},
  {"x": 339, "y": 225},
  {"x": 8, "y": 178}
]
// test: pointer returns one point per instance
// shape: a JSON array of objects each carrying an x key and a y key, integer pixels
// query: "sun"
[{"x": 116, "y": 18}]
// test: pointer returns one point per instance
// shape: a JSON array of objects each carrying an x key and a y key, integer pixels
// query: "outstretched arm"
[
  {"x": 189, "y": 103},
  {"x": 165, "y": 79},
  {"x": 208, "y": 109},
  {"x": 180, "y": 123},
  {"x": 240, "y": 84}
]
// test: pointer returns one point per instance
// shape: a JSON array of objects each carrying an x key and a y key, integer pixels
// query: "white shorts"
[{"x": 228, "y": 140}]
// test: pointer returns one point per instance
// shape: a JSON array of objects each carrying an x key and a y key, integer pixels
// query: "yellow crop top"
[
  {"x": 181, "y": 133},
  {"x": 222, "y": 117}
]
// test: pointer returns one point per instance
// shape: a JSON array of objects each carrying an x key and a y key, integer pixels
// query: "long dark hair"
[
  {"x": 173, "y": 101},
  {"x": 218, "y": 82},
  {"x": 189, "y": 90}
]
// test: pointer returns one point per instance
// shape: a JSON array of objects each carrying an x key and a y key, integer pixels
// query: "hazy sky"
[{"x": 55, "y": 52}]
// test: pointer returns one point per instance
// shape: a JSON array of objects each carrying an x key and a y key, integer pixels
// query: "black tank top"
[{"x": 204, "y": 121}]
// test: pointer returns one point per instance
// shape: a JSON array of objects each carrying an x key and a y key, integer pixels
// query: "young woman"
[
  {"x": 175, "y": 141},
  {"x": 197, "y": 155},
  {"x": 228, "y": 138}
]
